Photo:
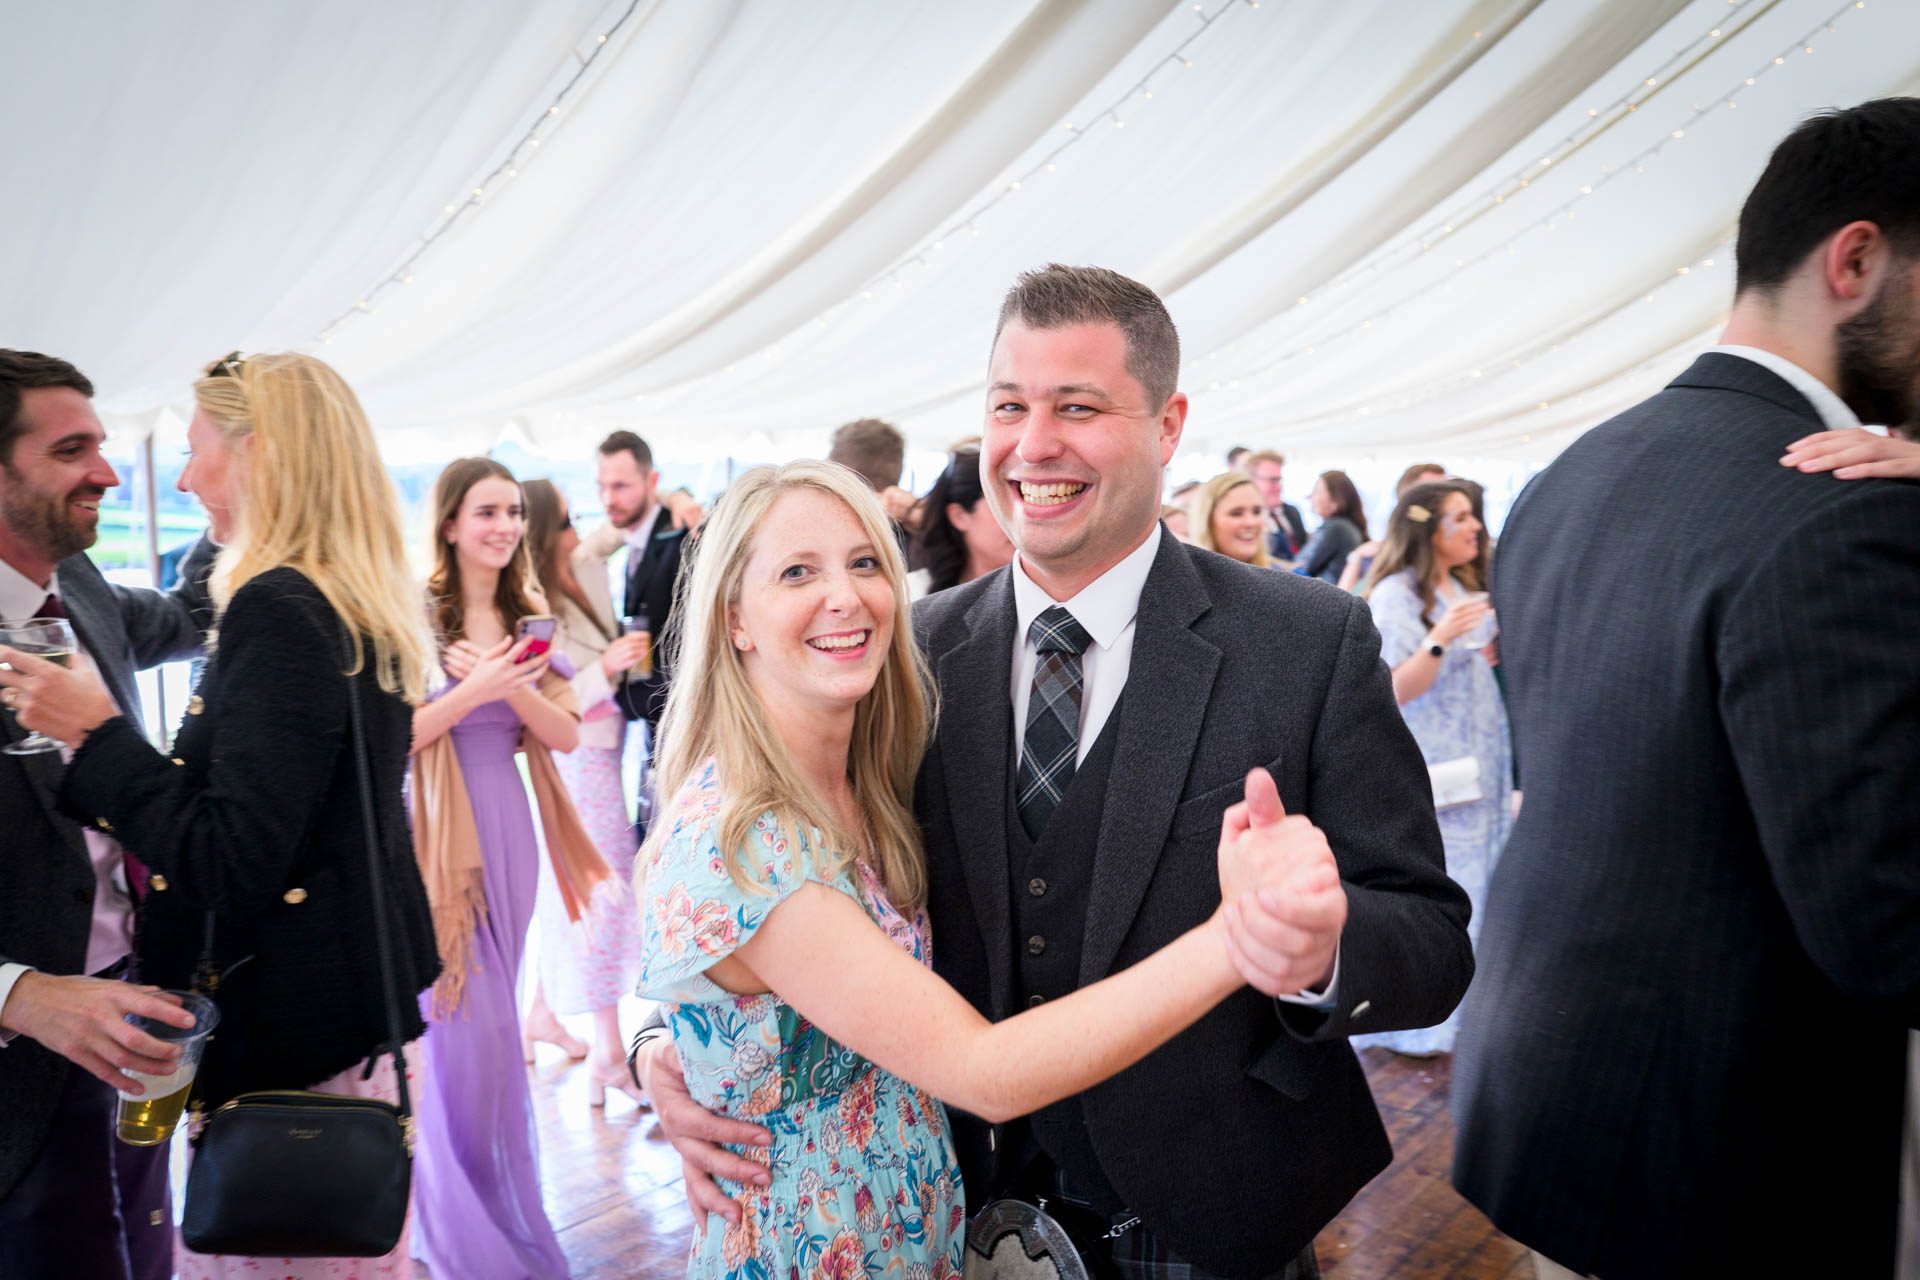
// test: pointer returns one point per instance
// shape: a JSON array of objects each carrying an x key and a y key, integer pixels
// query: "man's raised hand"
[{"x": 1281, "y": 895}]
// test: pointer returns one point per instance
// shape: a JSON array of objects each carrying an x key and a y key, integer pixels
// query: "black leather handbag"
[{"x": 288, "y": 1173}]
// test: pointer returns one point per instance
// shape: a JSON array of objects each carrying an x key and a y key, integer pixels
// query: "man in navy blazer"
[
  {"x": 73, "y": 1201},
  {"x": 1685, "y": 1053}
]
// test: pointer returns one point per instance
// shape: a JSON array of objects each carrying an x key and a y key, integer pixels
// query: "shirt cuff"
[
  {"x": 9, "y": 974},
  {"x": 1327, "y": 999},
  {"x": 591, "y": 686}
]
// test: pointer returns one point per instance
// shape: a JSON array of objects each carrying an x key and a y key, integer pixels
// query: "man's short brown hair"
[
  {"x": 1258, "y": 456},
  {"x": 28, "y": 371},
  {"x": 628, "y": 442},
  {"x": 874, "y": 449},
  {"x": 1056, "y": 296}
]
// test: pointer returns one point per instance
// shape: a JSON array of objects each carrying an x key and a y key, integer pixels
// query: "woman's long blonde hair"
[
  {"x": 1206, "y": 498},
  {"x": 713, "y": 712},
  {"x": 315, "y": 496}
]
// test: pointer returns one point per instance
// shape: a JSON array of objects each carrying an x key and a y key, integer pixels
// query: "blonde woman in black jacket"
[{"x": 255, "y": 816}]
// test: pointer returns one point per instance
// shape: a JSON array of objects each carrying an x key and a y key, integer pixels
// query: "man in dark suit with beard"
[
  {"x": 1685, "y": 1052},
  {"x": 73, "y": 1201},
  {"x": 1102, "y": 701}
]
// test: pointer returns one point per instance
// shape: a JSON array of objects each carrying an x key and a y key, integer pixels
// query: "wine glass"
[
  {"x": 1488, "y": 628},
  {"x": 49, "y": 638}
]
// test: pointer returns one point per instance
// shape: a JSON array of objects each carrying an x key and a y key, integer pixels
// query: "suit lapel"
[
  {"x": 976, "y": 753},
  {"x": 88, "y": 603},
  {"x": 44, "y": 771},
  {"x": 1169, "y": 685}
]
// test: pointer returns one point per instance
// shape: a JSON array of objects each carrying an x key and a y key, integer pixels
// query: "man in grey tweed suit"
[{"x": 1685, "y": 1050}]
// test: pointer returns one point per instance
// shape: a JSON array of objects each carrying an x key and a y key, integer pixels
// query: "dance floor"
[{"x": 613, "y": 1187}]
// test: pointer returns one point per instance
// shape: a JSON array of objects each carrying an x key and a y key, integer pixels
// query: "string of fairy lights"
[
  {"x": 515, "y": 158},
  {"x": 1597, "y": 122},
  {"x": 1568, "y": 338},
  {"x": 1567, "y": 209}
]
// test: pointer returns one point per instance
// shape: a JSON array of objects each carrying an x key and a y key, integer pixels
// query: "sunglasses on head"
[{"x": 227, "y": 366}]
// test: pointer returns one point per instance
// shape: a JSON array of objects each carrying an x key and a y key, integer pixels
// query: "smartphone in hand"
[{"x": 541, "y": 628}]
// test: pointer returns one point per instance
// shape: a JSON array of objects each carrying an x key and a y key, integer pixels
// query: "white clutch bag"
[{"x": 1455, "y": 782}]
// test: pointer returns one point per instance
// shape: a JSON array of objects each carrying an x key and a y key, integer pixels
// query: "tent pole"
[{"x": 150, "y": 492}]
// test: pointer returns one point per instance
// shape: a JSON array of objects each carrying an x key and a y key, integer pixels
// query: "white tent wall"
[{"x": 749, "y": 220}]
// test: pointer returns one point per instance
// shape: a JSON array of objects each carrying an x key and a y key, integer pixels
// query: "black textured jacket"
[{"x": 257, "y": 818}]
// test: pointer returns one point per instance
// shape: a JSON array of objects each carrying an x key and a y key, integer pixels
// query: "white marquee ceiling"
[{"x": 751, "y": 220}]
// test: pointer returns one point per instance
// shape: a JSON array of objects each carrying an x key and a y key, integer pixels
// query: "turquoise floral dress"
[{"x": 865, "y": 1182}]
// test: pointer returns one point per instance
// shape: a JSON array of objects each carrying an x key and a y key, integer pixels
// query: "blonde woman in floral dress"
[{"x": 782, "y": 890}]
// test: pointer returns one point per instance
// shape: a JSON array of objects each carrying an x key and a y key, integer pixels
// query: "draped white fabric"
[{"x": 691, "y": 247}]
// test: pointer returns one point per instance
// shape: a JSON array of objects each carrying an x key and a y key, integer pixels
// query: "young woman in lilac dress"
[{"x": 478, "y": 1212}]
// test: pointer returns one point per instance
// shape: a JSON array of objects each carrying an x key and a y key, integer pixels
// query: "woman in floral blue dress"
[
  {"x": 781, "y": 895},
  {"x": 1426, "y": 596}
]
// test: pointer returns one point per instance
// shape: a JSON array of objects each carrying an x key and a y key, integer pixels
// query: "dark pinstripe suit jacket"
[{"x": 1684, "y": 1050}]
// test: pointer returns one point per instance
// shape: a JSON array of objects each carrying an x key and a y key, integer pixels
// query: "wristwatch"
[{"x": 1434, "y": 647}]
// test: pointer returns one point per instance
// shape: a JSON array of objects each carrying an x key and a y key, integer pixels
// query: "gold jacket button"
[
  {"x": 103, "y": 824},
  {"x": 157, "y": 883},
  {"x": 178, "y": 760},
  {"x": 196, "y": 704},
  {"x": 294, "y": 897}
]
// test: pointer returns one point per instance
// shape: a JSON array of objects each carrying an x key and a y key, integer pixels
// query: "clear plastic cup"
[{"x": 149, "y": 1119}]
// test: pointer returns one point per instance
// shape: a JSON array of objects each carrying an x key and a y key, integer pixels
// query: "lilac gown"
[{"x": 476, "y": 1181}]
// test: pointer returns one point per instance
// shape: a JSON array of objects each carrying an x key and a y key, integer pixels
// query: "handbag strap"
[{"x": 376, "y": 886}]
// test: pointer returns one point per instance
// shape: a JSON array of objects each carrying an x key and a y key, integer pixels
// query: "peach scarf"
[{"x": 447, "y": 845}]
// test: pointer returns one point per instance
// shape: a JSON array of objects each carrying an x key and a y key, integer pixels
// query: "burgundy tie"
[{"x": 52, "y": 608}]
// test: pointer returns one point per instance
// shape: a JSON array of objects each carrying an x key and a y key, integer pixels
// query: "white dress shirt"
[
  {"x": 112, "y": 934},
  {"x": 1107, "y": 608}
]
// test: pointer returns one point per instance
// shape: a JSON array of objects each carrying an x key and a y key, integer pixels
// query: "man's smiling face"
[
  {"x": 1073, "y": 452},
  {"x": 54, "y": 477}
]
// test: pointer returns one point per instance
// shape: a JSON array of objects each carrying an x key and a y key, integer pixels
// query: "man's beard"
[
  {"x": 42, "y": 519},
  {"x": 1878, "y": 366}
]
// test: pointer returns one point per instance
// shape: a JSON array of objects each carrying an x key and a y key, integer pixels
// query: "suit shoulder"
[
  {"x": 1237, "y": 588},
  {"x": 937, "y": 616},
  {"x": 281, "y": 598}
]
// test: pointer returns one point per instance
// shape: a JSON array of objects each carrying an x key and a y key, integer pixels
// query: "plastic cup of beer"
[{"x": 148, "y": 1119}]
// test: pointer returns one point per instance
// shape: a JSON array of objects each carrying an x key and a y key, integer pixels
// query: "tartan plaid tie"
[{"x": 1053, "y": 718}]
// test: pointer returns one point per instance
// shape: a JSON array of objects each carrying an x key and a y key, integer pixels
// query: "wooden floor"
[{"x": 613, "y": 1187}]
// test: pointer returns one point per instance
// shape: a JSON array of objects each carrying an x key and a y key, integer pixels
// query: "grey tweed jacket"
[
  {"x": 1242, "y": 1137},
  {"x": 1684, "y": 1052}
]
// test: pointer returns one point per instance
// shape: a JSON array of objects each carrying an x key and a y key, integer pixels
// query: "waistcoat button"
[
  {"x": 1036, "y": 944},
  {"x": 1037, "y": 887}
]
